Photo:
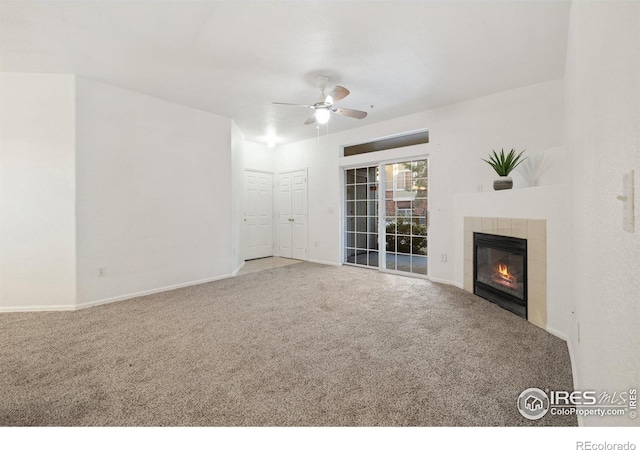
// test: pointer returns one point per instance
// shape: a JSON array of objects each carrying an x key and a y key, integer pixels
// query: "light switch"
[{"x": 628, "y": 223}]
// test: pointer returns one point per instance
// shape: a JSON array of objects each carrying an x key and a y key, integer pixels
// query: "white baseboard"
[
  {"x": 443, "y": 281},
  {"x": 572, "y": 360},
  {"x": 564, "y": 337},
  {"x": 238, "y": 269},
  {"x": 557, "y": 333},
  {"x": 326, "y": 263},
  {"x": 42, "y": 308},
  {"x": 39, "y": 308},
  {"x": 150, "y": 291}
]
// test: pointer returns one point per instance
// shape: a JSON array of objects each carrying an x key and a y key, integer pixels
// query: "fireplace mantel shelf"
[{"x": 525, "y": 190}]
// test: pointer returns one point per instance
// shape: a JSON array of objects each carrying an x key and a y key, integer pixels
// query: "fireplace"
[{"x": 500, "y": 271}]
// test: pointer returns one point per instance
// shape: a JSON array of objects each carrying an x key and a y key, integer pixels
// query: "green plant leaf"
[{"x": 505, "y": 164}]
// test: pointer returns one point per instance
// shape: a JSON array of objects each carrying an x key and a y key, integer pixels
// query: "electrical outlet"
[
  {"x": 443, "y": 257},
  {"x": 102, "y": 271}
]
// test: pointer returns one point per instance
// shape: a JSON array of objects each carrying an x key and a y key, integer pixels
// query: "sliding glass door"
[
  {"x": 361, "y": 212},
  {"x": 405, "y": 207},
  {"x": 400, "y": 209}
]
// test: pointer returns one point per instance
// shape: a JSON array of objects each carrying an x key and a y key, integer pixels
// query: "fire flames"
[
  {"x": 504, "y": 277},
  {"x": 503, "y": 270}
]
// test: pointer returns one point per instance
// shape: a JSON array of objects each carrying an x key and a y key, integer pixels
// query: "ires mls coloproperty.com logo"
[{"x": 534, "y": 403}]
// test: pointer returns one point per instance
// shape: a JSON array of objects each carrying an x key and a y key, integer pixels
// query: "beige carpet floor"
[{"x": 303, "y": 345}]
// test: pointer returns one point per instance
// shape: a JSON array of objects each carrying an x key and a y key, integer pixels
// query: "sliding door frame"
[
  {"x": 382, "y": 213},
  {"x": 345, "y": 216}
]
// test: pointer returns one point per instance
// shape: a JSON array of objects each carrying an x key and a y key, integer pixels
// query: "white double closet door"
[{"x": 292, "y": 214}]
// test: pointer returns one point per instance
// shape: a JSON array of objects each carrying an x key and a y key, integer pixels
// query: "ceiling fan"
[{"x": 323, "y": 107}]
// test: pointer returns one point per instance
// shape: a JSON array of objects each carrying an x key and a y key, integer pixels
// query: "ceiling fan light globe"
[{"x": 322, "y": 115}]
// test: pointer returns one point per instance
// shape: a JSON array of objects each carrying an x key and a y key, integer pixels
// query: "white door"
[
  {"x": 285, "y": 219},
  {"x": 292, "y": 214},
  {"x": 258, "y": 215},
  {"x": 299, "y": 214}
]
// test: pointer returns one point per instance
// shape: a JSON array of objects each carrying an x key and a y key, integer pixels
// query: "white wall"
[
  {"x": 154, "y": 193},
  {"x": 37, "y": 191},
  {"x": 258, "y": 157},
  {"x": 603, "y": 142},
  {"x": 460, "y": 135},
  {"x": 237, "y": 197}
]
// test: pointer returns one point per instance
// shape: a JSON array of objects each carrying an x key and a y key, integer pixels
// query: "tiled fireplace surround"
[{"x": 535, "y": 232}]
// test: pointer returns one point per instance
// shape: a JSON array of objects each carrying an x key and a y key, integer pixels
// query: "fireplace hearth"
[{"x": 500, "y": 271}]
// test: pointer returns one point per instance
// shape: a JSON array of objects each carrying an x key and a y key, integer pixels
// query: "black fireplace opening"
[{"x": 500, "y": 271}]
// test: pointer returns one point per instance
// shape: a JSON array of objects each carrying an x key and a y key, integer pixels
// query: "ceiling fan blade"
[
  {"x": 310, "y": 120},
  {"x": 337, "y": 94},
  {"x": 350, "y": 113},
  {"x": 292, "y": 104}
]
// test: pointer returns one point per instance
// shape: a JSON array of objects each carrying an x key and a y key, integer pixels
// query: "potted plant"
[{"x": 504, "y": 165}]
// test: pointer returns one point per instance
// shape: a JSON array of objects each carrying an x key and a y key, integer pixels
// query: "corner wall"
[
  {"x": 154, "y": 194},
  {"x": 37, "y": 191},
  {"x": 603, "y": 142},
  {"x": 237, "y": 197}
]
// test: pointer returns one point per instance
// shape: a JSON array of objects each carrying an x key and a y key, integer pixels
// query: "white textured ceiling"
[{"x": 234, "y": 58}]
